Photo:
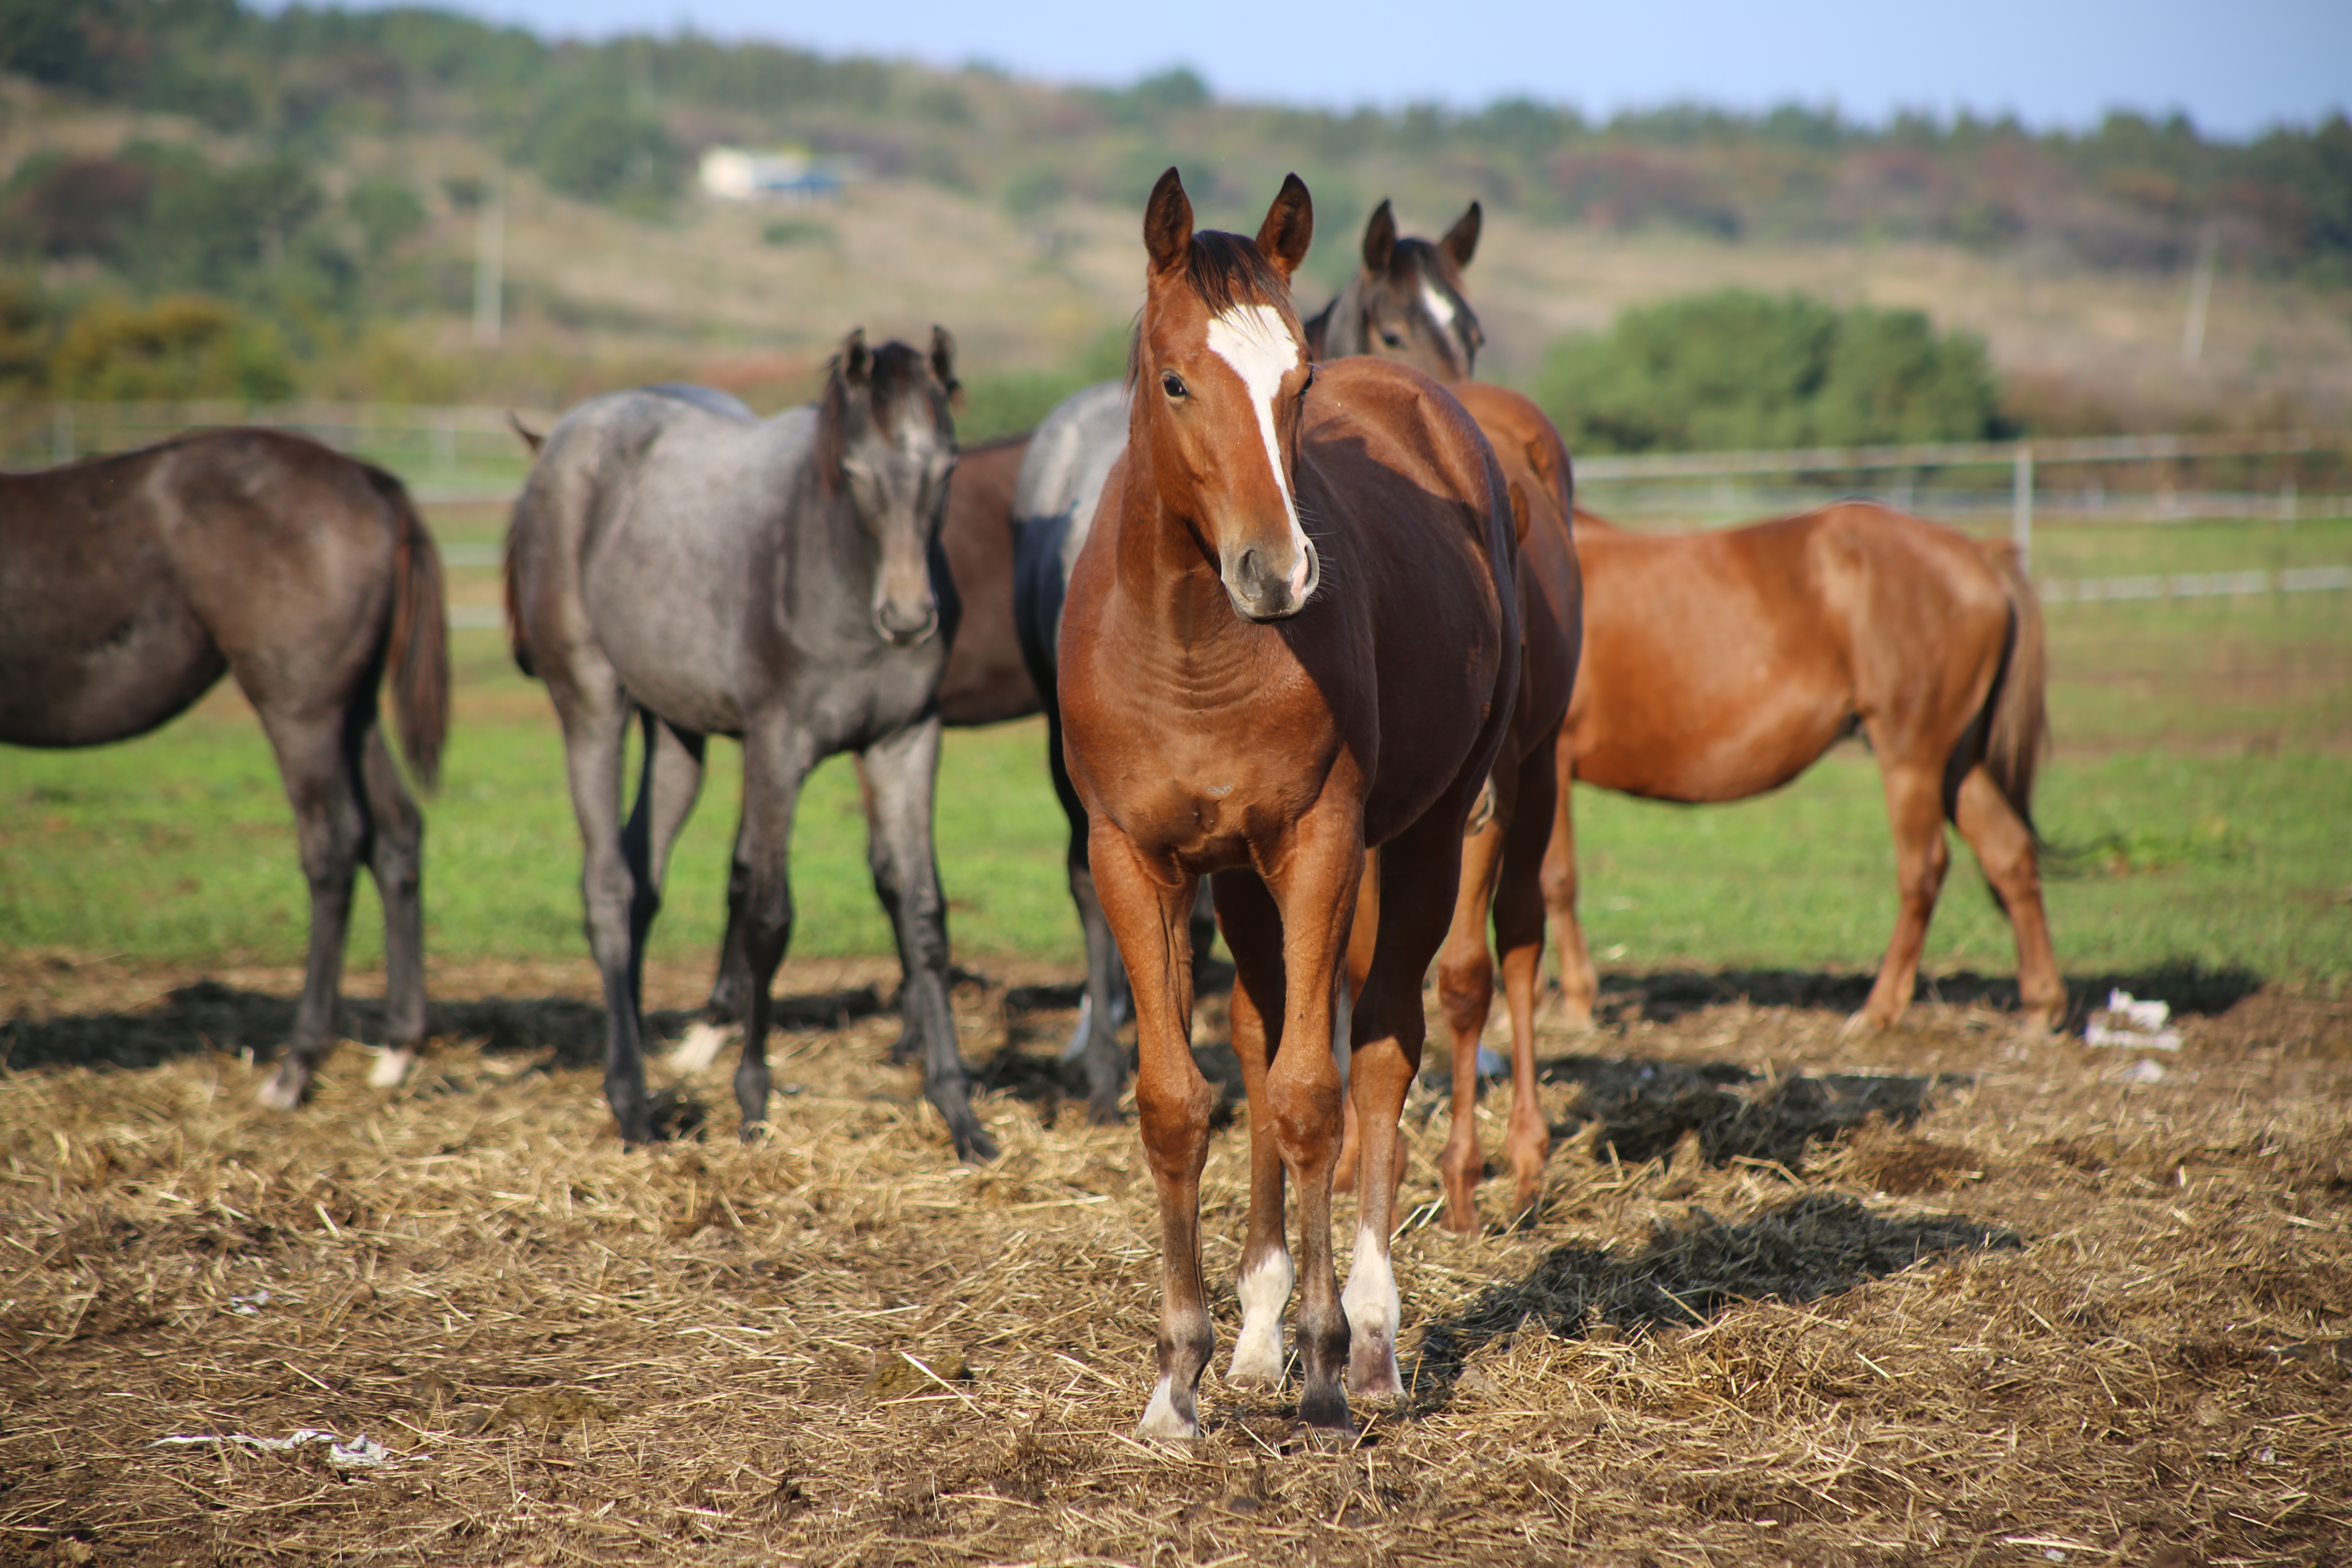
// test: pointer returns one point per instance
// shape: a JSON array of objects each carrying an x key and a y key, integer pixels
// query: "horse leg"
[
  {"x": 331, "y": 826},
  {"x": 668, "y": 780},
  {"x": 595, "y": 735},
  {"x": 1150, "y": 914},
  {"x": 1914, "y": 807},
  {"x": 1519, "y": 938},
  {"x": 1322, "y": 873},
  {"x": 878, "y": 868},
  {"x": 2004, "y": 847},
  {"x": 396, "y": 859},
  {"x": 777, "y": 757},
  {"x": 1101, "y": 1009},
  {"x": 1266, "y": 1273},
  {"x": 1580, "y": 986},
  {"x": 1465, "y": 989},
  {"x": 904, "y": 771},
  {"x": 1364, "y": 934},
  {"x": 730, "y": 986},
  {"x": 1419, "y": 870}
]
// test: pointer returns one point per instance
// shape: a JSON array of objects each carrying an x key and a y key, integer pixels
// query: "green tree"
[
  {"x": 387, "y": 212},
  {"x": 181, "y": 346},
  {"x": 1738, "y": 369}
]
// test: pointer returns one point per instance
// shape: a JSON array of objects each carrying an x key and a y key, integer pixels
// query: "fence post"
[
  {"x": 61, "y": 434},
  {"x": 2021, "y": 523}
]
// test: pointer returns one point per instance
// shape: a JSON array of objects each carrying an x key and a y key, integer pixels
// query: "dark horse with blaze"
[
  {"x": 1243, "y": 701},
  {"x": 130, "y": 584}
]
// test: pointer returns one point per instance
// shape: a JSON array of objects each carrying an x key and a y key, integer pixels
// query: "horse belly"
[{"x": 139, "y": 671}]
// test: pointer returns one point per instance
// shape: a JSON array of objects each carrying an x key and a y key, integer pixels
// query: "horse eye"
[
  {"x": 1393, "y": 340},
  {"x": 1171, "y": 384}
]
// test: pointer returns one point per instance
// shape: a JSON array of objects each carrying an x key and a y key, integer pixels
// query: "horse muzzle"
[
  {"x": 1261, "y": 590},
  {"x": 907, "y": 625}
]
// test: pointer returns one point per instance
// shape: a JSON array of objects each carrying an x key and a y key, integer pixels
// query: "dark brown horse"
[
  {"x": 1939, "y": 662},
  {"x": 128, "y": 583},
  {"x": 987, "y": 681},
  {"x": 1242, "y": 702},
  {"x": 1406, "y": 304},
  {"x": 1406, "y": 301},
  {"x": 1777, "y": 640}
]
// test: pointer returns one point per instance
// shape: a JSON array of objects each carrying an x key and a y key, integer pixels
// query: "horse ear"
[
  {"x": 1379, "y": 239},
  {"x": 1461, "y": 241},
  {"x": 855, "y": 362},
  {"x": 1167, "y": 222},
  {"x": 943, "y": 361},
  {"x": 1289, "y": 227}
]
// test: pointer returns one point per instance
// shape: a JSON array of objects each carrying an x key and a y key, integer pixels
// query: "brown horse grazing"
[
  {"x": 1240, "y": 702},
  {"x": 1779, "y": 639},
  {"x": 128, "y": 584}
]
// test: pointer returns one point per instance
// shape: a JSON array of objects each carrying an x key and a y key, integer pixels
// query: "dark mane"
[
  {"x": 1225, "y": 271},
  {"x": 895, "y": 373}
]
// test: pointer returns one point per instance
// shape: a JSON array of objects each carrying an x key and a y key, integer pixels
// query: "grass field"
[
  {"x": 2200, "y": 783},
  {"x": 1950, "y": 1294}
]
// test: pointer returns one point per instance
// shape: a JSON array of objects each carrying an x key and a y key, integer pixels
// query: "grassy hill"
[{"x": 322, "y": 171}]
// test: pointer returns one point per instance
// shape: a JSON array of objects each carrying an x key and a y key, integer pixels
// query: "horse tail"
[
  {"x": 418, "y": 652},
  {"x": 2016, "y": 727}
]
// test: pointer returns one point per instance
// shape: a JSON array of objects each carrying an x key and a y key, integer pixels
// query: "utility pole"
[
  {"x": 490, "y": 261},
  {"x": 2201, "y": 291}
]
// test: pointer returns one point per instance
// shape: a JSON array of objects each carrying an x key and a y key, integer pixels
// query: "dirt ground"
[{"x": 1947, "y": 1295}]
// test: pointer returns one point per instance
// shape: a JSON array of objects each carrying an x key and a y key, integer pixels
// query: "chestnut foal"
[{"x": 1240, "y": 701}]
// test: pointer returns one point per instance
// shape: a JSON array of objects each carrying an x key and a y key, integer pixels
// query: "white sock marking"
[
  {"x": 1265, "y": 1291},
  {"x": 1253, "y": 340},
  {"x": 391, "y": 1067},
  {"x": 1370, "y": 1299},
  {"x": 1159, "y": 1418},
  {"x": 701, "y": 1047}
]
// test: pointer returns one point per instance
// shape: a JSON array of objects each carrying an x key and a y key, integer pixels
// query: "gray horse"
[
  {"x": 677, "y": 560},
  {"x": 128, "y": 583},
  {"x": 1407, "y": 304}
]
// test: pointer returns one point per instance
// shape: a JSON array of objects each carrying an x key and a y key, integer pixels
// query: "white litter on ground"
[
  {"x": 248, "y": 1306},
  {"x": 362, "y": 1453},
  {"x": 2140, "y": 1071},
  {"x": 2133, "y": 1024}
]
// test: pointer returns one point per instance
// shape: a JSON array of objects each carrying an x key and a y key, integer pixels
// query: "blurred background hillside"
[{"x": 202, "y": 199}]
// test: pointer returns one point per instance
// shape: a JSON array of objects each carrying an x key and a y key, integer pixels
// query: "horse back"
[
  {"x": 1722, "y": 663},
  {"x": 128, "y": 584},
  {"x": 1414, "y": 520}
]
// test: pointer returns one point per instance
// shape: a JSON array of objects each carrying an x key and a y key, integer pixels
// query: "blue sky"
[{"x": 2233, "y": 68}]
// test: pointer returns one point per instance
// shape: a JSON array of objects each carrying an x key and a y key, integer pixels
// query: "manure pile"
[{"x": 1947, "y": 1296}]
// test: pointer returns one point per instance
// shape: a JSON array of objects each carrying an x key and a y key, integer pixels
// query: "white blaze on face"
[
  {"x": 1440, "y": 310},
  {"x": 1254, "y": 342}
]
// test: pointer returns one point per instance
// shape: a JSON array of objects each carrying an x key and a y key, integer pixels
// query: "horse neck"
[
  {"x": 1345, "y": 334},
  {"x": 1169, "y": 588}
]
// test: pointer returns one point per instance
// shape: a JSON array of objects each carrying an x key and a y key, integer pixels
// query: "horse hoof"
[
  {"x": 1256, "y": 1363},
  {"x": 391, "y": 1067},
  {"x": 1104, "y": 1114},
  {"x": 1162, "y": 1422},
  {"x": 1324, "y": 1421},
  {"x": 285, "y": 1089},
  {"x": 700, "y": 1047},
  {"x": 974, "y": 1146}
]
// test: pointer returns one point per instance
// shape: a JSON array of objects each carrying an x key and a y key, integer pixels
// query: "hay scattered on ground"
[{"x": 1943, "y": 1296}]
